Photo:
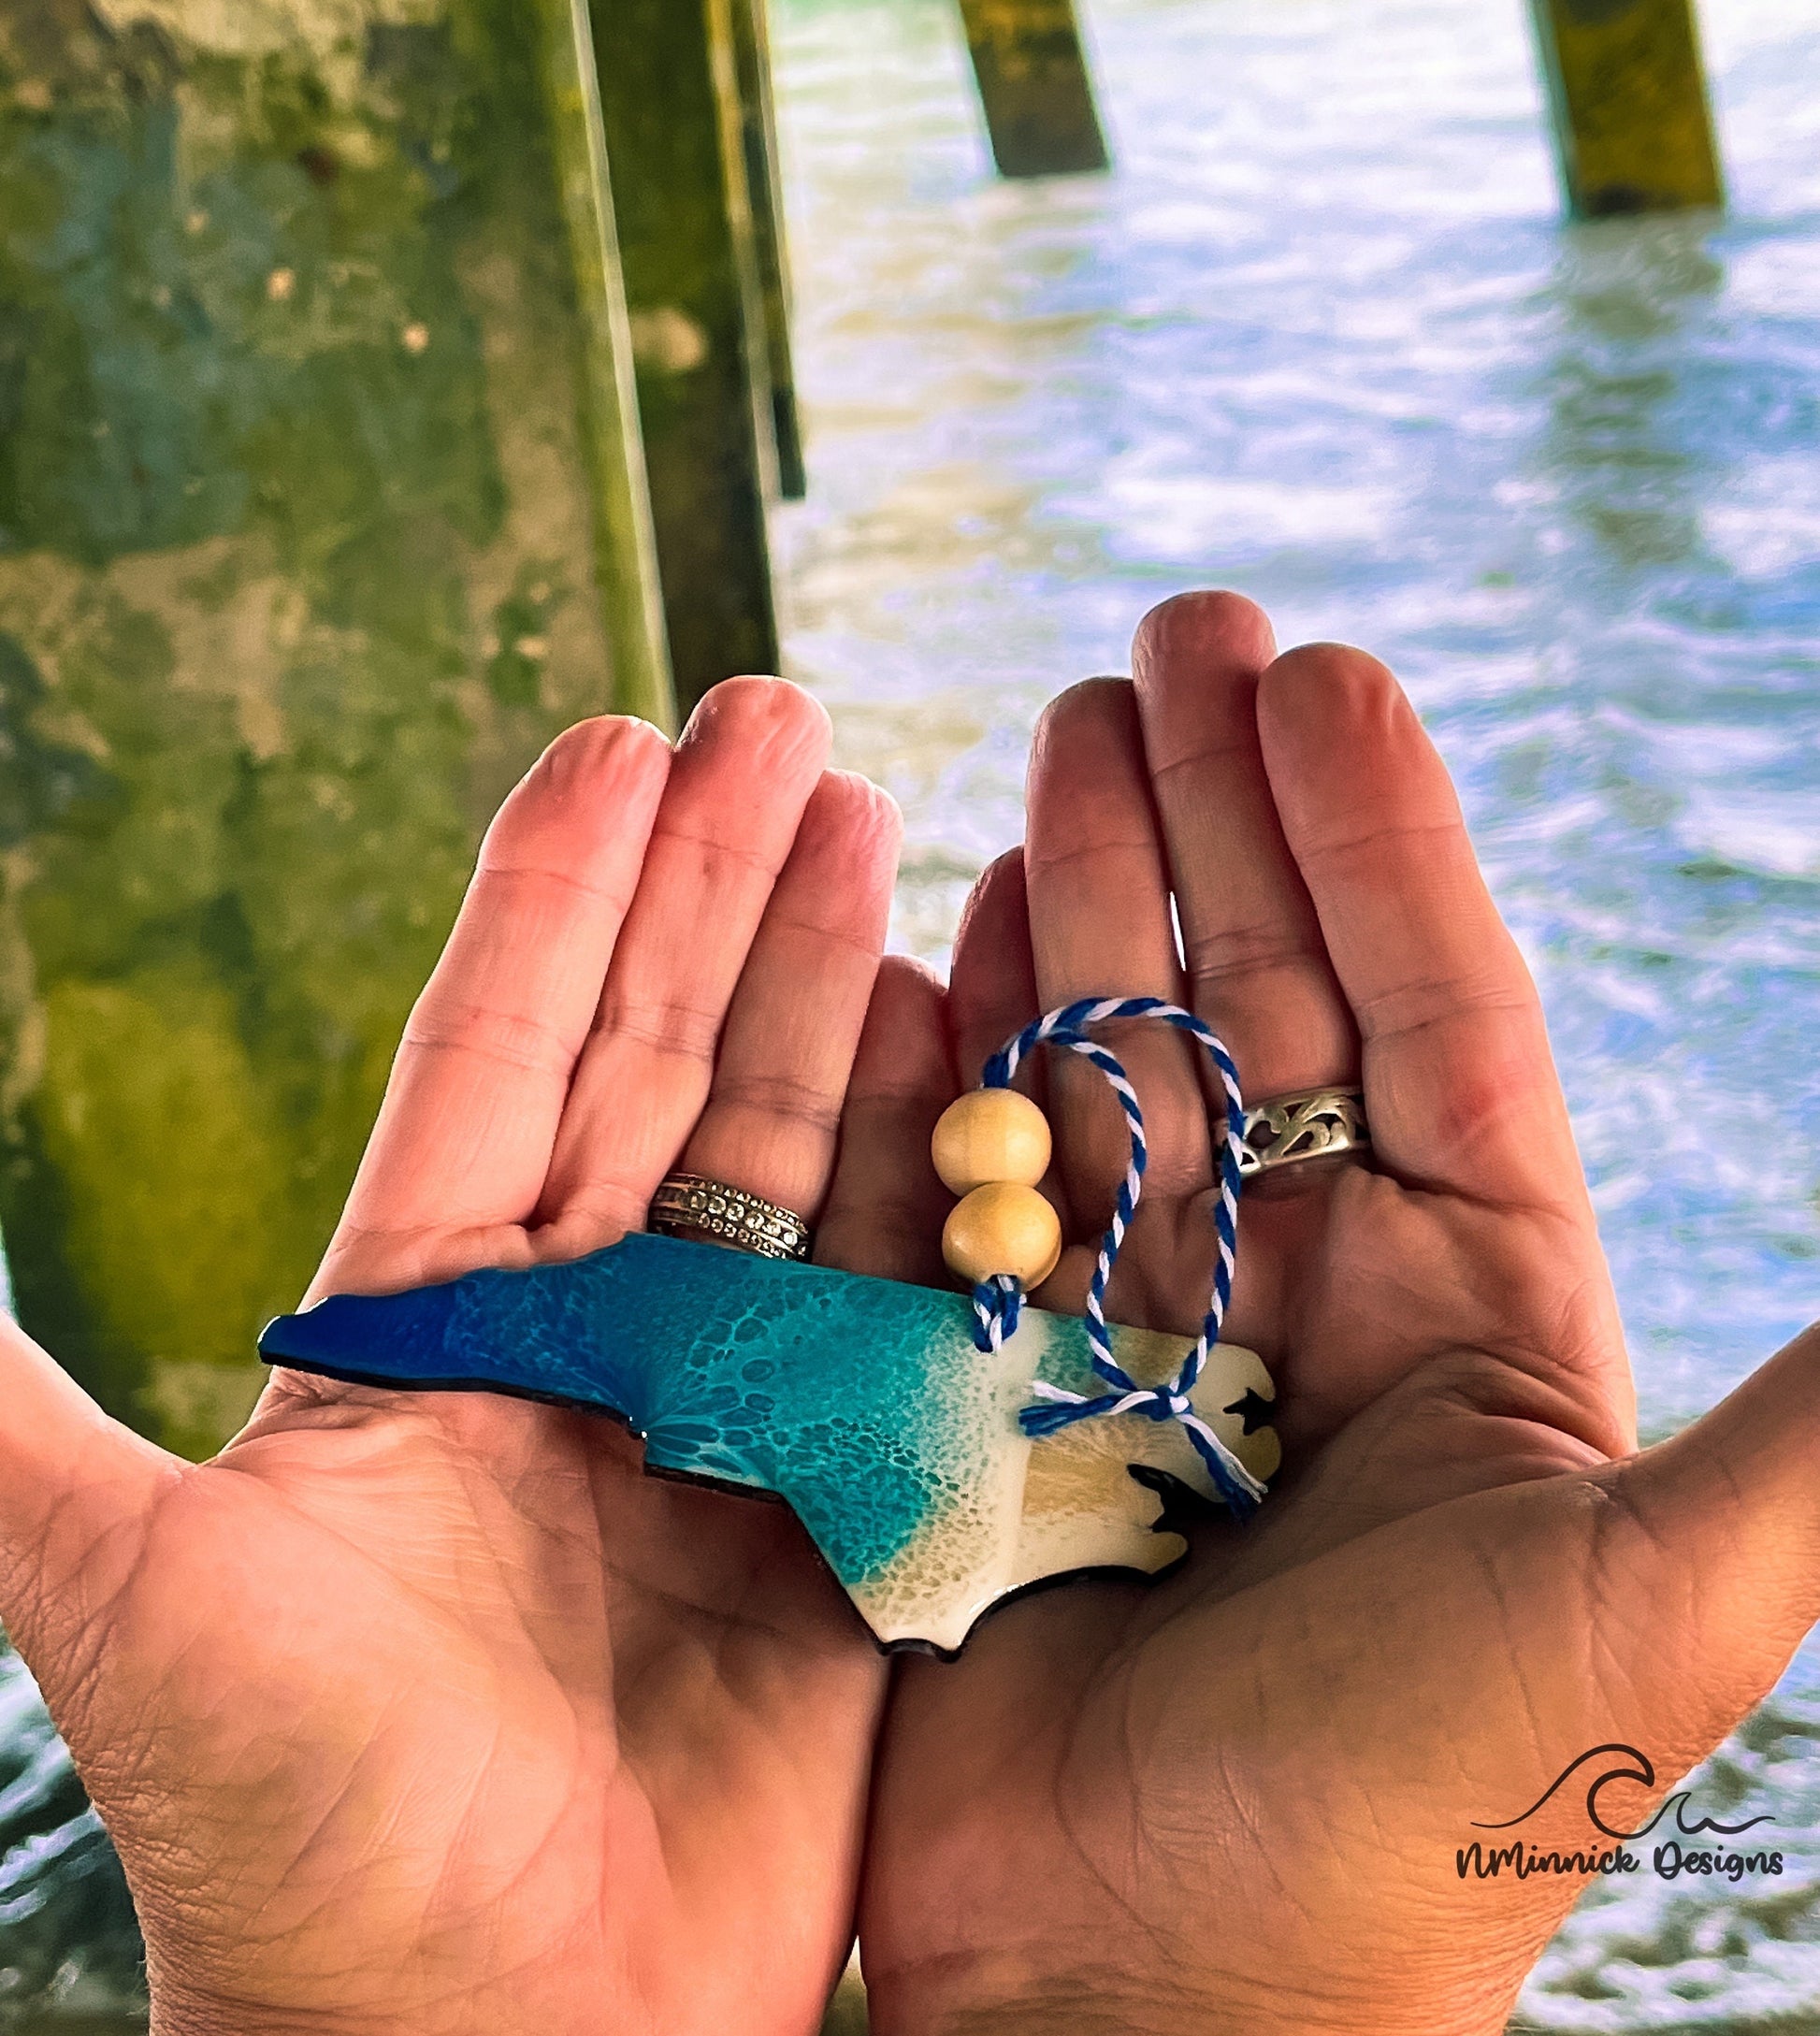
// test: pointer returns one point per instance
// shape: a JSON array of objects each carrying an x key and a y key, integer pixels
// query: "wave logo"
[{"x": 1671, "y": 1858}]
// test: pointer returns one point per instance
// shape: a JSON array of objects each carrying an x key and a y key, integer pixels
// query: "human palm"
[
  {"x": 431, "y": 1712},
  {"x": 1235, "y": 1802}
]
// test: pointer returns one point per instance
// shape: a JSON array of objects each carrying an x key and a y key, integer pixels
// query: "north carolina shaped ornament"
[{"x": 862, "y": 1403}]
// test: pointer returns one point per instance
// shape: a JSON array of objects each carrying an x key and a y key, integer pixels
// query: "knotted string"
[{"x": 998, "y": 1302}]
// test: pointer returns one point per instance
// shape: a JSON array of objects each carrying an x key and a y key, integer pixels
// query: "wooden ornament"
[
  {"x": 864, "y": 1403},
  {"x": 990, "y": 1135},
  {"x": 1003, "y": 1227}
]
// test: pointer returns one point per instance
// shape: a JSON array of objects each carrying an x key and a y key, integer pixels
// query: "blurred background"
[{"x": 313, "y": 530}]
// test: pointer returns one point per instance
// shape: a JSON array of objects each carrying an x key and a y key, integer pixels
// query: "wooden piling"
[
  {"x": 670, "y": 100},
  {"x": 318, "y": 520},
  {"x": 626, "y": 544},
  {"x": 764, "y": 182},
  {"x": 1626, "y": 90},
  {"x": 1030, "y": 68}
]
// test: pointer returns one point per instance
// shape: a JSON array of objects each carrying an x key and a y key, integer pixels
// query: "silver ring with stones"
[{"x": 692, "y": 1205}]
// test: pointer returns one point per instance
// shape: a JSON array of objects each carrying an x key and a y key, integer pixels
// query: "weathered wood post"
[
  {"x": 764, "y": 182},
  {"x": 626, "y": 544},
  {"x": 669, "y": 97},
  {"x": 1030, "y": 68},
  {"x": 319, "y": 517},
  {"x": 1626, "y": 91}
]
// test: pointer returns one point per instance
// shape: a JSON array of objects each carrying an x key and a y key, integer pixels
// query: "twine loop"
[{"x": 998, "y": 1302}]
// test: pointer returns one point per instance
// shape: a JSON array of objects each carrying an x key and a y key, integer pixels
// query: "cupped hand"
[
  {"x": 430, "y": 1712},
  {"x": 1237, "y": 1800}
]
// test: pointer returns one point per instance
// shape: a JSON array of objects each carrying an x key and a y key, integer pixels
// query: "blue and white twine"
[{"x": 998, "y": 1302}]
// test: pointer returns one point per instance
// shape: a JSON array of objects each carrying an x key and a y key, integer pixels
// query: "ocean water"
[{"x": 1322, "y": 338}]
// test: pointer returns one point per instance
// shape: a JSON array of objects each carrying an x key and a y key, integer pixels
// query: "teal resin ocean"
[{"x": 862, "y": 1403}]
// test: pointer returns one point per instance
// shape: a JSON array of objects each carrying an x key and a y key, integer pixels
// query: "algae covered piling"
[{"x": 299, "y": 568}]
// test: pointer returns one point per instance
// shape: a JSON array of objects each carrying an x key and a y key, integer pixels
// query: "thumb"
[
  {"x": 1721, "y": 1539},
  {"x": 75, "y": 1491}
]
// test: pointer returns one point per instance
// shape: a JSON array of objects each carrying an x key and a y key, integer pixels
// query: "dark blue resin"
[{"x": 842, "y": 1393}]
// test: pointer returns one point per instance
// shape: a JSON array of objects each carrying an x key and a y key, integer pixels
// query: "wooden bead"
[
  {"x": 1003, "y": 1227},
  {"x": 990, "y": 1135}
]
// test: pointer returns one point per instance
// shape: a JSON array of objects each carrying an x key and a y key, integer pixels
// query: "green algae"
[{"x": 299, "y": 571}]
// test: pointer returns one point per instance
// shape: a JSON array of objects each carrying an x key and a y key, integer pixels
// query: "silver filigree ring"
[{"x": 1314, "y": 1124}]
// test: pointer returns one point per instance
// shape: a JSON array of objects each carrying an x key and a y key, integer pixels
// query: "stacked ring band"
[
  {"x": 1314, "y": 1124},
  {"x": 690, "y": 1204}
]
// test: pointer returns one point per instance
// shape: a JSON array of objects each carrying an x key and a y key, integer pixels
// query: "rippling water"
[
  {"x": 1322, "y": 338},
  {"x": 67, "y": 1930}
]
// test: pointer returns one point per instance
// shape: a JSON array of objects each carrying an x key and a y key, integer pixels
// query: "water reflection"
[{"x": 1627, "y": 474}]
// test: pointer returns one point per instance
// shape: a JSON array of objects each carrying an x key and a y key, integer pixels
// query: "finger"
[
  {"x": 885, "y": 1207},
  {"x": 787, "y": 1051},
  {"x": 992, "y": 995},
  {"x": 1460, "y": 1085},
  {"x": 73, "y": 1487},
  {"x": 993, "y": 980},
  {"x": 1100, "y": 926},
  {"x": 465, "y": 1134},
  {"x": 1718, "y": 1532},
  {"x": 741, "y": 777},
  {"x": 1255, "y": 958}
]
